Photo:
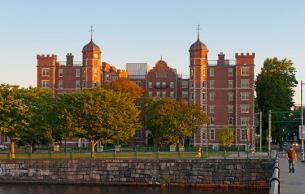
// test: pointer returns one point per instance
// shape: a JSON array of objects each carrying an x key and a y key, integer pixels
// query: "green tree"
[
  {"x": 226, "y": 137},
  {"x": 171, "y": 121},
  {"x": 14, "y": 115},
  {"x": 274, "y": 90},
  {"x": 39, "y": 101},
  {"x": 100, "y": 115}
]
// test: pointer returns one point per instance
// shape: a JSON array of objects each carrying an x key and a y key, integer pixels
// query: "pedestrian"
[{"x": 291, "y": 157}]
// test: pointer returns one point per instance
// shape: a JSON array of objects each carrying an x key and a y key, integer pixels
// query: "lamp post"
[{"x": 302, "y": 118}]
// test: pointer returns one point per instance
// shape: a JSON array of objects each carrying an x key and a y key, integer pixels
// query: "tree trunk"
[
  {"x": 93, "y": 143},
  {"x": 13, "y": 149}
]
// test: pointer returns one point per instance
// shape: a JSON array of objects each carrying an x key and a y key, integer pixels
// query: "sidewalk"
[{"x": 292, "y": 183}]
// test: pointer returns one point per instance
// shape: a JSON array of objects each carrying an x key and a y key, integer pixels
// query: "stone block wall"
[{"x": 252, "y": 173}]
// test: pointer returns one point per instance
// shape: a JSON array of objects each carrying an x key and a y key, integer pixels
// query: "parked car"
[
  {"x": 3, "y": 147},
  {"x": 285, "y": 146}
]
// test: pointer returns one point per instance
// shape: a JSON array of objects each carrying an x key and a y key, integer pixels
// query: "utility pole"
[
  {"x": 269, "y": 134},
  {"x": 260, "y": 131},
  {"x": 302, "y": 122}
]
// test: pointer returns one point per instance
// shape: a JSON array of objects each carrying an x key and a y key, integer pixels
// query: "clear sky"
[{"x": 143, "y": 30}]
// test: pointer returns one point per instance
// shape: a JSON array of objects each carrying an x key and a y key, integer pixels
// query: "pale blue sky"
[{"x": 142, "y": 31}]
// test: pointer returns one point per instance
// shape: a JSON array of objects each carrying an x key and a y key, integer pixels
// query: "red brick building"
[
  {"x": 162, "y": 81},
  {"x": 224, "y": 90},
  {"x": 75, "y": 75}
]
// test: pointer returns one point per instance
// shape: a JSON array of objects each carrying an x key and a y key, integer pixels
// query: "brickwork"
[{"x": 254, "y": 173}]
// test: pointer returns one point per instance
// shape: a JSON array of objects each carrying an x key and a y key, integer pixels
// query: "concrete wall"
[{"x": 195, "y": 172}]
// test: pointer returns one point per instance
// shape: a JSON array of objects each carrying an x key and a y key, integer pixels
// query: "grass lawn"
[{"x": 111, "y": 155}]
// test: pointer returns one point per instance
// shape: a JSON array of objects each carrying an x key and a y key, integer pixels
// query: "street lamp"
[{"x": 302, "y": 118}]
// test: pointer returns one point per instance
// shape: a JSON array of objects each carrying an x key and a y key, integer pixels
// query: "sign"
[{"x": 300, "y": 132}]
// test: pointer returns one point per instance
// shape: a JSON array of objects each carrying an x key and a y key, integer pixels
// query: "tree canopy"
[
  {"x": 100, "y": 115},
  {"x": 274, "y": 90},
  {"x": 170, "y": 121},
  {"x": 226, "y": 137},
  {"x": 126, "y": 86}
]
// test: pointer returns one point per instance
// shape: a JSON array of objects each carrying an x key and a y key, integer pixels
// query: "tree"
[
  {"x": 100, "y": 115},
  {"x": 226, "y": 137},
  {"x": 14, "y": 115},
  {"x": 39, "y": 101},
  {"x": 125, "y": 86},
  {"x": 170, "y": 121},
  {"x": 274, "y": 90}
]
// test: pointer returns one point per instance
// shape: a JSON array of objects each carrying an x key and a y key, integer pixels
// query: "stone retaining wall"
[{"x": 253, "y": 173}]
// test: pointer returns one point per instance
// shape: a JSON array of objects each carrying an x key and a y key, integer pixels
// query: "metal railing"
[{"x": 274, "y": 182}]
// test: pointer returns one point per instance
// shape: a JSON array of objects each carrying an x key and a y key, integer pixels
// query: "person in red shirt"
[{"x": 291, "y": 157}]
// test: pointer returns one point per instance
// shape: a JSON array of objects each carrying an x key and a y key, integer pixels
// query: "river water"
[{"x": 102, "y": 189}]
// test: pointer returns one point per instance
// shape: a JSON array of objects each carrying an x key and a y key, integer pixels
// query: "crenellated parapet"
[
  {"x": 244, "y": 58},
  {"x": 48, "y": 56}
]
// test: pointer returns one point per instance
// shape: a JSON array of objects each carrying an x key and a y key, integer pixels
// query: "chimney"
[
  {"x": 221, "y": 59},
  {"x": 69, "y": 59}
]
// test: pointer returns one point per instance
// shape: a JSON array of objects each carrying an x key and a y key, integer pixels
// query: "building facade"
[
  {"x": 73, "y": 75},
  {"x": 224, "y": 90}
]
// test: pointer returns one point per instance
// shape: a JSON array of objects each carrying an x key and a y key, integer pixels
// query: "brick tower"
[
  {"x": 198, "y": 79},
  {"x": 91, "y": 65}
]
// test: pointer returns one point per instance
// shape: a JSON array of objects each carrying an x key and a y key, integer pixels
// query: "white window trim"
[
  {"x": 43, "y": 72},
  {"x": 210, "y": 134}
]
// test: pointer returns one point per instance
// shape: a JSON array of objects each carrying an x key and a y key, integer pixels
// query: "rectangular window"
[
  {"x": 244, "y": 121},
  {"x": 230, "y": 108},
  {"x": 172, "y": 85},
  {"x": 231, "y": 121},
  {"x": 212, "y": 120},
  {"x": 157, "y": 84},
  {"x": 230, "y": 72},
  {"x": 244, "y": 71},
  {"x": 185, "y": 94},
  {"x": 212, "y": 134},
  {"x": 244, "y": 83},
  {"x": 230, "y": 84},
  {"x": 158, "y": 94},
  {"x": 60, "y": 84},
  {"x": 163, "y": 94},
  {"x": 77, "y": 72},
  {"x": 192, "y": 72},
  {"x": 203, "y": 96},
  {"x": 204, "y": 134},
  {"x": 244, "y": 108},
  {"x": 204, "y": 83},
  {"x": 212, "y": 109},
  {"x": 244, "y": 134},
  {"x": 172, "y": 94},
  {"x": 60, "y": 72},
  {"x": 45, "y": 72},
  {"x": 244, "y": 95},
  {"x": 212, "y": 96},
  {"x": 212, "y": 72},
  {"x": 203, "y": 108},
  {"x": 185, "y": 84},
  {"x": 230, "y": 96},
  {"x": 163, "y": 84},
  {"x": 150, "y": 94},
  {"x": 77, "y": 84},
  {"x": 149, "y": 84},
  {"x": 45, "y": 83},
  {"x": 138, "y": 134},
  {"x": 212, "y": 83}
]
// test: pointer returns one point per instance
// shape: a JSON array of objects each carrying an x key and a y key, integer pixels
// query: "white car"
[{"x": 3, "y": 147}]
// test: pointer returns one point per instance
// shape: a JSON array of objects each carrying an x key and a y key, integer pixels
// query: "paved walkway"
[{"x": 292, "y": 183}]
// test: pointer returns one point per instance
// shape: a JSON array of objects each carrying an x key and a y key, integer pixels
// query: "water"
[{"x": 102, "y": 189}]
